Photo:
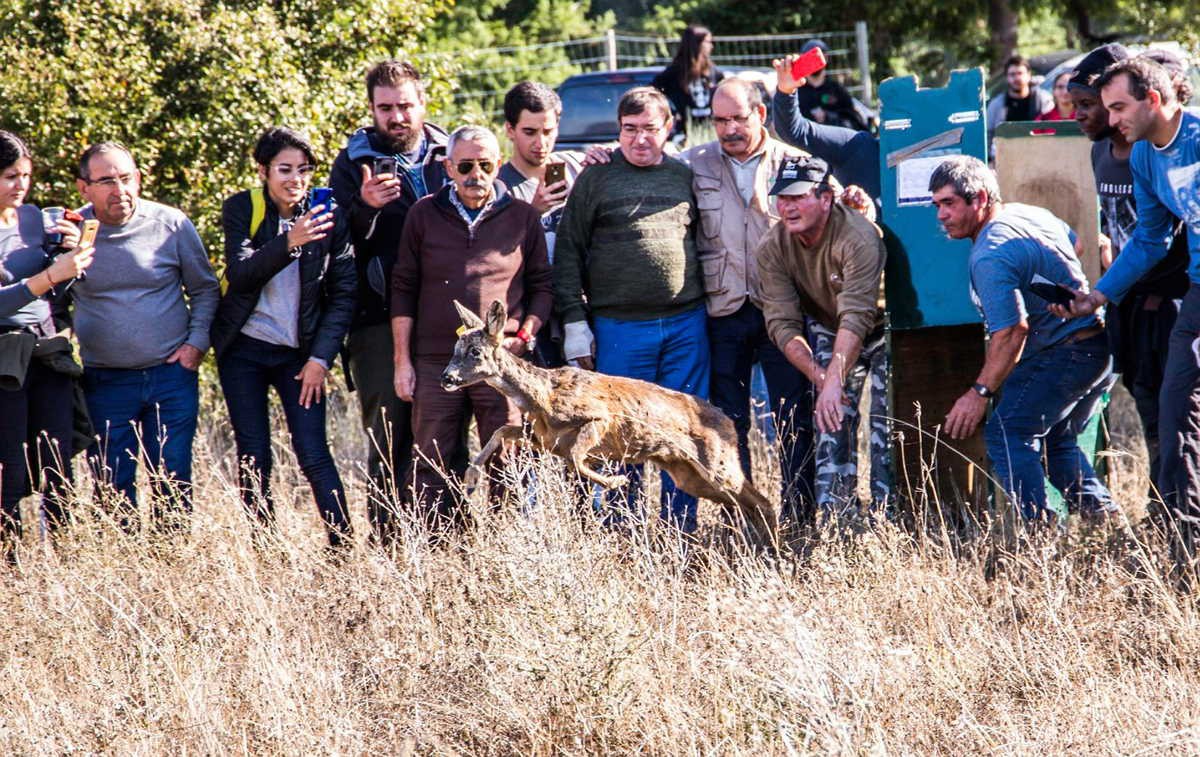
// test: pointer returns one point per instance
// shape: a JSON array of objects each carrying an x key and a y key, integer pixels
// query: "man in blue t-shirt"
[
  {"x": 1049, "y": 373},
  {"x": 1142, "y": 105}
]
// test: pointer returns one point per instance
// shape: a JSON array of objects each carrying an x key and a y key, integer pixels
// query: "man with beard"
[
  {"x": 380, "y": 174},
  {"x": 730, "y": 178},
  {"x": 1141, "y": 101},
  {"x": 1139, "y": 329}
]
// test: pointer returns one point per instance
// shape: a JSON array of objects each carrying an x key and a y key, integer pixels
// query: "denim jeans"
[
  {"x": 1179, "y": 419},
  {"x": 1044, "y": 404},
  {"x": 144, "y": 414},
  {"x": 671, "y": 352},
  {"x": 737, "y": 341},
  {"x": 248, "y": 369}
]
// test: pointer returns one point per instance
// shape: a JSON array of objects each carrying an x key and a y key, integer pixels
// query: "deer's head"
[{"x": 477, "y": 353}]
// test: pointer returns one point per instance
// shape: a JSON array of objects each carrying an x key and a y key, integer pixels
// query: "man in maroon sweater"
[{"x": 475, "y": 243}]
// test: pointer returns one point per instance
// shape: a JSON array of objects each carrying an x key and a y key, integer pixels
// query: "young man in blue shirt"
[{"x": 1142, "y": 105}]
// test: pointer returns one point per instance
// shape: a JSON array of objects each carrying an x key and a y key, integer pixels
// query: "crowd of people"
[{"x": 685, "y": 270}]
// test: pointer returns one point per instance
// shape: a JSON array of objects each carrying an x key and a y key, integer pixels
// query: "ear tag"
[{"x": 460, "y": 331}]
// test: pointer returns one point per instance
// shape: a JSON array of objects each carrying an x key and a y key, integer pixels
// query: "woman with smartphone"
[
  {"x": 689, "y": 79},
  {"x": 290, "y": 299},
  {"x": 36, "y": 410}
]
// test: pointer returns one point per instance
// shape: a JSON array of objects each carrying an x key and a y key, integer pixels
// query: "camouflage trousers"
[{"x": 837, "y": 453}]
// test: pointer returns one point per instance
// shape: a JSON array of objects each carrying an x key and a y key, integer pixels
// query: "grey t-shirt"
[
  {"x": 21, "y": 257},
  {"x": 150, "y": 289},
  {"x": 1020, "y": 242},
  {"x": 276, "y": 316}
]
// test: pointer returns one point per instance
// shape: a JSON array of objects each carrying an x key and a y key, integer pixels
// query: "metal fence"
[{"x": 481, "y": 76}]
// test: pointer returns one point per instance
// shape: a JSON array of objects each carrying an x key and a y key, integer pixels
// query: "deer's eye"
[{"x": 476, "y": 352}]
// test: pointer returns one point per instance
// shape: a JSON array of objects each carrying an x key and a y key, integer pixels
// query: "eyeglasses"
[
  {"x": 466, "y": 166},
  {"x": 633, "y": 131},
  {"x": 112, "y": 182},
  {"x": 720, "y": 121},
  {"x": 285, "y": 170}
]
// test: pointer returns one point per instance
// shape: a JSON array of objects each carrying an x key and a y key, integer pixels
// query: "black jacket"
[
  {"x": 376, "y": 232},
  {"x": 327, "y": 279},
  {"x": 682, "y": 104}
]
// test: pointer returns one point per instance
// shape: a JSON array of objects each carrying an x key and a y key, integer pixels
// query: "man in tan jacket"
[
  {"x": 820, "y": 270},
  {"x": 730, "y": 178}
]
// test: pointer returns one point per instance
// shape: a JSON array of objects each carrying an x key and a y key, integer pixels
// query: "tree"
[{"x": 189, "y": 85}]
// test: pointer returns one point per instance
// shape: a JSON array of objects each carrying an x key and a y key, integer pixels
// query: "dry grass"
[{"x": 542, "y": 633}]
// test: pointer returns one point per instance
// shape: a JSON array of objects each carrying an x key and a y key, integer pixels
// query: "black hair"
[
  {"x": 532, "y": 96},
  {"x": 1143, "y": 75},
  {"x": 1017, "y": 60},
  {"x": 12, "y": 149},
  {"x": 277, "y": 139}
]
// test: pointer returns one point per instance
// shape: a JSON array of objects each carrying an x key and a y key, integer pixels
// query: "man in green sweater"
[{"x": 626, "y": 258}]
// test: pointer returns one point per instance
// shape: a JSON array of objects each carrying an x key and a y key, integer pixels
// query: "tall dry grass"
[{"x": 541, "y": 632}]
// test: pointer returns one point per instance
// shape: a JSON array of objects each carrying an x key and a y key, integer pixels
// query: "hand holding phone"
[
  {"x": 555, "y": 172},
  {"x": 809, "y": 63},
  {"x": 1051, "y": 292}
]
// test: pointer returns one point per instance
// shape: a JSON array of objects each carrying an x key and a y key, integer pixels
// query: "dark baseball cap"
[
  {"x": 798, "y": 175},
  {"x": 1175, "y": 64},
  {"x": 814, "y": 43},
  {"x": 1094, "y": 64}
]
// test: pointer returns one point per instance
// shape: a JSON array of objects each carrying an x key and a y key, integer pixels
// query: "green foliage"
[{"x": 189, "y": 84}]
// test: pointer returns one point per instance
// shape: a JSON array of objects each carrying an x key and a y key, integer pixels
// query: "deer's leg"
[
  {"x": 511, "y": 432},
  {"x": 586, "y": 440}
]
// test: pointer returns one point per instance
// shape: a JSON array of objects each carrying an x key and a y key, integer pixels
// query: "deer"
[{"x": 587, "y": 418}]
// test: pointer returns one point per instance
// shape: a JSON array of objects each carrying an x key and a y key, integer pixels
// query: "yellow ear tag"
[{"x": 461, "y": 330}]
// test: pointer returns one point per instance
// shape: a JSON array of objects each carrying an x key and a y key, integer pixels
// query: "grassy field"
[{"x": 540, "y": 632}]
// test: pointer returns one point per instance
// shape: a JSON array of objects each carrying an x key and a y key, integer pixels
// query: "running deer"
[{"x": 587, "y": 417}]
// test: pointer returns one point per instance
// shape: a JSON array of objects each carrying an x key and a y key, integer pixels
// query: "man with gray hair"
[
  {"x": 142, "y": 317},
  {"x": 1049, "y": 374},
  {"x": 473, "y": 242}
]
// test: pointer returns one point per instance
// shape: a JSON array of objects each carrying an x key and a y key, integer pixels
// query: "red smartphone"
[{"x": 808, "y": 63}]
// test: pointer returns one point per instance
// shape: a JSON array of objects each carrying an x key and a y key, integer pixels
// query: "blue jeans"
[
  {"x": 1179, "y": 421},
  {"x": 144, "y": 414},
  {"x": 737, "y": 341},
  {"x": 671, "y": 352},
  {"x": 1046, "y": 402},
  {"x": 248, "y": 370}
]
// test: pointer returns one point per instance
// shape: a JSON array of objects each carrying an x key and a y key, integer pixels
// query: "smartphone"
[
  {"x": 321, "y": 196},
  {"x": 1051, "y": 292},
  {"x": 808, "y": 63},
  {"x": 555, "y": 172},
  {"x": 385, "y": 164},
  {"x": 90, "y": 227}
]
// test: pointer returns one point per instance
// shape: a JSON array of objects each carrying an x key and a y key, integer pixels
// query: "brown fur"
[{"x": 587, "y": 417}]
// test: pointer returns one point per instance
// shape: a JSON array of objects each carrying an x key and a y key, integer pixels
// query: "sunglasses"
[{"x": 466, "y": 166}]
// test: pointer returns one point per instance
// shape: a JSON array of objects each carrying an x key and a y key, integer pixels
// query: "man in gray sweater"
[
  {"x": 626, "y": 257},
  {"x": 142, "y": 317}
]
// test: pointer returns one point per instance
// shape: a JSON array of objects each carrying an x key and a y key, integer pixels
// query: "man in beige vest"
[{"x": 731, "y": 176}]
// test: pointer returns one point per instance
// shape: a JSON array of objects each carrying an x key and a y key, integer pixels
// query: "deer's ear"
[
  {"x": 469, "y": 319},
  {"x": 497, "y": 316}
]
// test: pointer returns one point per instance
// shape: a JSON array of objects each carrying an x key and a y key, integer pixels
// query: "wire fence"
[{"x": 479, "y": 78}]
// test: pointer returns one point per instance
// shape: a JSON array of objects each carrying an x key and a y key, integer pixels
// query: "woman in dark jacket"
[
  {"x": 36, "y": 411},
  {"x": 289, "y": 303},
  {"x": 689, "y": 80}
]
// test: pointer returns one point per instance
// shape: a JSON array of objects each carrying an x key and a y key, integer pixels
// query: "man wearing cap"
[
  {"x": 1142, "y": 103},
  {"x": 825, "y": 101},
  {"x": 730, "y": 178},
  {"x": 1050, "y": 374},
  {"x": 1139, "y": 328},
  {"x": 823, "y": 263}
]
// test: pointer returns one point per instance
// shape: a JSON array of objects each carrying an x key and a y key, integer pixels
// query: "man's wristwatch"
[
  {"x": 528, "y": 338},
  {"x": 982, "y": 391}
]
